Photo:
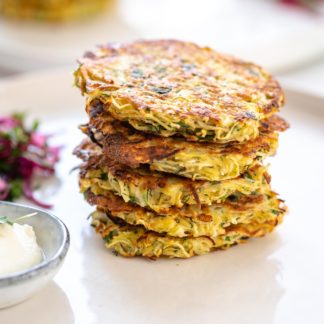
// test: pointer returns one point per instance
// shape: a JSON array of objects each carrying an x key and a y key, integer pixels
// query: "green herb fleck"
[
  {"x": 5, "y": 220},
  {"x": 161, "y": 90},
  {"x": 104, "y": 176},
  {"x": 182, "y": 124},
  {"x": 155, "y": 128},
  {"x": 110, "y": 236},
  {"x": 132, "y": 199},
  {"x": 248, "y": 176}
]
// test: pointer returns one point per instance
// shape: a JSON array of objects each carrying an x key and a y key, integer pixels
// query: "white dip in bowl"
[
  {"x": 18, "y": 248},
  {"x": 31, "y": 253}
]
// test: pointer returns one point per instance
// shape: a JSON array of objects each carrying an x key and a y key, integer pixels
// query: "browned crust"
[
  {"x": 122, "y": 143},
  {"x": 274, "y": 123},
  {"x": 93, "y": 159},
  {"x": 182, "y": 62},
  {"x": 247, "y": 231},
  {"x": 115, "y": 204}
]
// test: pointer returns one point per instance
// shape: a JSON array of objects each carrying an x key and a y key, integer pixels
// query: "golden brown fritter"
[
  {"x": 169, "y": 87},
  {"x": 192, "y": 220},
  {"x": 130, "y": 241},
  {"x": 198, "y": 161},
  {"x": 160, "y": 191}
]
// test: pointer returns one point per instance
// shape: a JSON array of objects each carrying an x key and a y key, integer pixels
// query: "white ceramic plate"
[
  {"x": 275, "y": 36},
  {"x": 276, "y": 279}
]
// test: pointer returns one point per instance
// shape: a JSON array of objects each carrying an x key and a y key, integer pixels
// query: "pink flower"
[
  {"x": 8, "y": 123},
  {"x": 38, "y": 140}
]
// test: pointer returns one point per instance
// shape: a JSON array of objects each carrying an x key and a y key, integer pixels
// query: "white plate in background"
[
  {"x": 277, "y": 279},
  {"x": 275, "y": 36}
]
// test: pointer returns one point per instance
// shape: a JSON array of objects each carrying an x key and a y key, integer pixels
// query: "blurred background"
[{"x": 285, "y": 36}]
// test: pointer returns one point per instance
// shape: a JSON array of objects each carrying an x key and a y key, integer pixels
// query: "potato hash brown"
[
  {"x": 169, "y": 87},
  {"x": 130, "y": 241}
]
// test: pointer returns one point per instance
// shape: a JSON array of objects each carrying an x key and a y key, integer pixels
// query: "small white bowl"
[{"x": 54, "y": 240}]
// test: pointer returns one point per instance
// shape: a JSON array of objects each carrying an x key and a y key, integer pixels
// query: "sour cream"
[{"x": 18, "y": 248}]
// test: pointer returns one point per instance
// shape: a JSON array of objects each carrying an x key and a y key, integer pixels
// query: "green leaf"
[
  {"x": 19, "y": 135},
  {"x": 35, "y": 125},
  {"x": 19, "y": 116},
  {"x": 15, "y": 189},
  {"x": 5, "y": 220}
]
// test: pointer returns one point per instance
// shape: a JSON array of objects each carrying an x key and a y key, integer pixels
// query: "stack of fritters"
[{"x": 176, "y": 138}]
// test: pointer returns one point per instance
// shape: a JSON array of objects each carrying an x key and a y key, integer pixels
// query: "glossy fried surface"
[{"x": 169, "y": 87}]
